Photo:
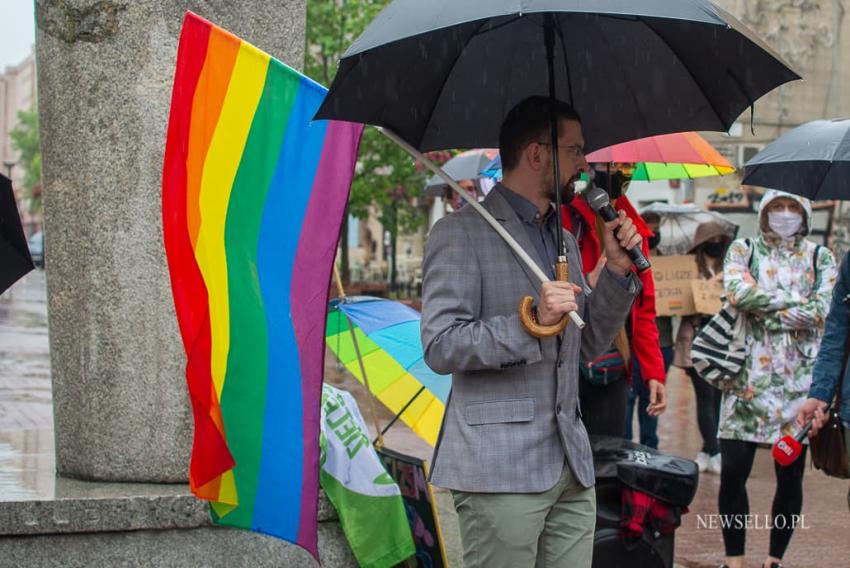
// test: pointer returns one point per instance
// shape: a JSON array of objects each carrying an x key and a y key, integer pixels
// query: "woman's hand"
[{"x": 814, "y": 410}]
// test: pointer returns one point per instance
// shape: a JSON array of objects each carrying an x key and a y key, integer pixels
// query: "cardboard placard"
[
  {"x": 673, "y": 293},
  {"x": 707, "y": 295},
  {"x": 411, "y": 475}
]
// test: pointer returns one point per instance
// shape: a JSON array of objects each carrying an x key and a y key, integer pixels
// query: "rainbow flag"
[{"x": 253, "y": 197}]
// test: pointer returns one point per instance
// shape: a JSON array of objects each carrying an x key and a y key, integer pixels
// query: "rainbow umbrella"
[
  {"x": 388, "y": 338},
  {"x": 684, "y": 155}
]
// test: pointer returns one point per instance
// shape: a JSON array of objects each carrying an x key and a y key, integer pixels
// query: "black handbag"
[{"x": 829, "y": 450}]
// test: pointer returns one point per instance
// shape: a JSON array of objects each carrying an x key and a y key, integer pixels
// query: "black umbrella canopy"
[
  {"x": 443, "y": 73},
  {"x": 15, "y": 260},
  {"x": 812, "y": 160}
]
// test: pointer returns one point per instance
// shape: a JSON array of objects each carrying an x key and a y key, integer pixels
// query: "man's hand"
[
  {"x": 556, "y": 299},
  {"x": 657, "y": 398},
  {"x": 616, "y": 245},
  {"x": 815, "y": 410}
]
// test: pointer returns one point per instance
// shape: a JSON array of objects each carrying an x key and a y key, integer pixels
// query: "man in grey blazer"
[{"x": 512, "y": 447}]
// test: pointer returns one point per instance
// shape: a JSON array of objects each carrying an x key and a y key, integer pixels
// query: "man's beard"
[{"x": 568, "y": 191}]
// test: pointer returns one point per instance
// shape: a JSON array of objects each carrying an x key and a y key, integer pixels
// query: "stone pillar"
[{"x": 105, "y": 71}]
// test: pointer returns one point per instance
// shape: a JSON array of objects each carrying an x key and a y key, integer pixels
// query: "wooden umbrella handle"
[{"x": 526, "y": 308}]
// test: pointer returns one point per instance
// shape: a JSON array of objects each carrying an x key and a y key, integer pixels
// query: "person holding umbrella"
[
  {"x": 512, "y": 447},
  {"x": 783, "y": 283}
]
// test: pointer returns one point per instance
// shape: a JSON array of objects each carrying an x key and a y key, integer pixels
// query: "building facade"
[
  {"x": 813, "y": 36},
  {"x": 17, "y": 93}
]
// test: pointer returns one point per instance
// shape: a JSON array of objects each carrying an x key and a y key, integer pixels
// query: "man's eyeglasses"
[{"x": 572, "y": 150}]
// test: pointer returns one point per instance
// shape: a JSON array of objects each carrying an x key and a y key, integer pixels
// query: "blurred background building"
[
  {"x": 814, "y": 38},
  {"x": 18, "y": 93}
]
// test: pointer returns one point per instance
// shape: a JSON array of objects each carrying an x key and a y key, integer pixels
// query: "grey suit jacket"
[{"x": 513, "y": 413}]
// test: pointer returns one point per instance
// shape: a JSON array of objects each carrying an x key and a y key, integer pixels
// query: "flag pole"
[{"x": 372, "y": 411}]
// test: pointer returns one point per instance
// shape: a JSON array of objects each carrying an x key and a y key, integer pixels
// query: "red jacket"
[{"x": 644, "y": 339}]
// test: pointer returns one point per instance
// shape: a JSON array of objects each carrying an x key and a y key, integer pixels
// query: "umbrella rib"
[
  {"x": 566, "y": 62},
  {"x": 688, "y": 71},
  {"x": 494, "y": 28}
]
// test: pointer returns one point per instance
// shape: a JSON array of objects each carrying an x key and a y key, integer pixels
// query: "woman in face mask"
[
  {"x": 783, "y": 283},
  {"x": 710, "y": 244}
]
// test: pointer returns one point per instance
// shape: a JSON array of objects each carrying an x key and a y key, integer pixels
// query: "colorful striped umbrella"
[
  {"x": 390, "y": 345},
  {"x": 682, "y": 155}
]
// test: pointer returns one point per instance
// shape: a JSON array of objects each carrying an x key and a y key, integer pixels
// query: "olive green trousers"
[{"x": 517, "y": 530}]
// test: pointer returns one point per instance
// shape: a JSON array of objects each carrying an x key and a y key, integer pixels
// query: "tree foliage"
[
  {"x": 386, "y": 178},
  {"x": 25, "y": 140}
]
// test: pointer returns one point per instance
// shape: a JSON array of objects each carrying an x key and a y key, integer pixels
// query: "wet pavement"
[
  {"x": 27, "y": 461},
  {"x": 825, "y": 506},
  {"x": 26, "y": 408},
  {"x": 825, "y": 540}
]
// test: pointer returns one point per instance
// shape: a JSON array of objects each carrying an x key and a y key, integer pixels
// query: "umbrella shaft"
[{"x": 549, "y": 40}]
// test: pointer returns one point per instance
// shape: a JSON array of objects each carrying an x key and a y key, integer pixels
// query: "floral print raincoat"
[{"x": 786, "y": 309}]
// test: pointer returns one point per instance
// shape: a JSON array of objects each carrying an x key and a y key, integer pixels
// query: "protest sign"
[
  {"x": 707, "y": 295},
  {"x": 673, "y": 293},
  {"x": 411, "y": 475}
]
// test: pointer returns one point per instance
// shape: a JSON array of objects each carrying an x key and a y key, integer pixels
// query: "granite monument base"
[{"x": 131, "y": 524}]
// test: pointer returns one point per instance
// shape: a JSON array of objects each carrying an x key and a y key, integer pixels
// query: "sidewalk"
[
  {"x": 826, "y": 538},
  {"x": 825, "y": 541},
  {"x": 26, "y": 405}
]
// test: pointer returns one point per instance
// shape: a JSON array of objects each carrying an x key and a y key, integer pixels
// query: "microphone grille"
[{"x": 597, "y": 198}]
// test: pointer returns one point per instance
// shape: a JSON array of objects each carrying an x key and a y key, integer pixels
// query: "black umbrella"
[
  {"x": 443, "y": 73},
  {"x": 15, "y": 260},
  {"x": 813, "y": 160}
]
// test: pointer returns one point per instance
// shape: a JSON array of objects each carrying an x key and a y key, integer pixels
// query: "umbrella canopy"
[
  {"x": 649, "y": 171},
  {"x": 466, "y": 165},
  {"x": 14, "y": 252},
  {"x": 444, "y": 74},
  {"x": 813, "y": 160},
  {"x": 679, "y": 223},
  {"x": 389, "y": 341},
  {"x": 682, "y": 155}
]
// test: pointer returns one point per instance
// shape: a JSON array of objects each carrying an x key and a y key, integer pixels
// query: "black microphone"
[{"x": 599, "y": 202}]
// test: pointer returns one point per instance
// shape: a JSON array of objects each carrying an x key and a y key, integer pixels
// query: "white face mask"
[{"x": 786, "y": 224}]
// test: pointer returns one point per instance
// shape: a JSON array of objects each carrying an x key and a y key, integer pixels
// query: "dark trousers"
[
  {"x": 603, "y": 409},
  {"x": 639, "y": 391},
  {"x": 708, "y": 411},
  {"x": 787, "y": 501}
]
